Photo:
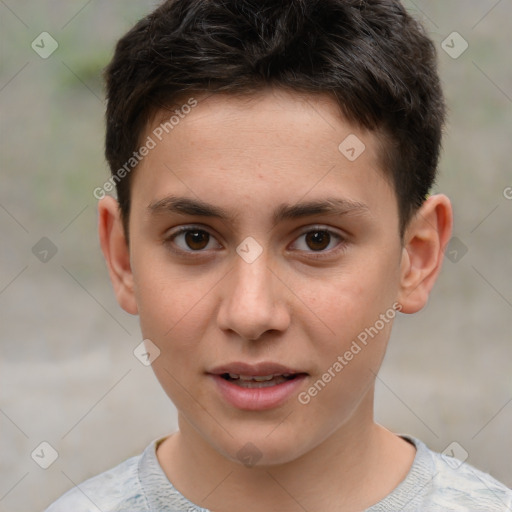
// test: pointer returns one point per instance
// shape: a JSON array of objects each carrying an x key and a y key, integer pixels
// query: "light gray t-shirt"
[{"x": 435, "y": 483}]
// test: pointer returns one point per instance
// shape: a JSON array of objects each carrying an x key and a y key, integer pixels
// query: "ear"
[
  {"x": 116, "y": 252},
  {"x": 425, "y": 241}
]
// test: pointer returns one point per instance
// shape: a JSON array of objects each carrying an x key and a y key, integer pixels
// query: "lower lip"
[{"x": 257, "y": 399}]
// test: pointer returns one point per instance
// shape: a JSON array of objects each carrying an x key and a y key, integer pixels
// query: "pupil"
[{"x": 319, "y": 237}]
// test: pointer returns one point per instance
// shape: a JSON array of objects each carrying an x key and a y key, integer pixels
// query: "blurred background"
[{"x": 68, "y": 375}]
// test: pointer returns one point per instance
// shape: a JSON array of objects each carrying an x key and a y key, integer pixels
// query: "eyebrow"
[{"x": 328, "y": 206}]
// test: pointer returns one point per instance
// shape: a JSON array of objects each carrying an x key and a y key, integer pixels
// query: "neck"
[{"x": 352, "y": 469}]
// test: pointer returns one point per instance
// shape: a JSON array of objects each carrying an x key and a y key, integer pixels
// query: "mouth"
[
  {"x": 257, "y": 386},
  {"x": 260, "y": 381}
]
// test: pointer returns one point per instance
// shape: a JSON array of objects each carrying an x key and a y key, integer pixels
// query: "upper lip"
[{"x": 254, "y": 370}]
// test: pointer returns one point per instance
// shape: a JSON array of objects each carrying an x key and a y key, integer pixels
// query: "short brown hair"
[{"x": 370, "y": 55}]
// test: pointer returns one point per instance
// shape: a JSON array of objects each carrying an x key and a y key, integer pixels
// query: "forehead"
[
  {"x": 270, "y": 112},
  {"x": 273, "y": 142}
]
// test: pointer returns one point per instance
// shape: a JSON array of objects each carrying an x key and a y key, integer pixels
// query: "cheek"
[
  {"x": 174, "y": 314},
  {"x": 349, "y": 302},
  {"x": 348, "y": 326},
  {"x": 169, "y": 299}
]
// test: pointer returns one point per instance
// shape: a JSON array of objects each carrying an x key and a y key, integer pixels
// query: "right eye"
[{"x": 193, "y": 240}]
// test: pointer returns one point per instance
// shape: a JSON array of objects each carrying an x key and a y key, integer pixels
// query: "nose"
[{"x": 254, "y": 300}]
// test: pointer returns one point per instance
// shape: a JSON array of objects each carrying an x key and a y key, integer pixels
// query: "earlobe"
[
  {"x": 116, "y": 252},
  {"x": 425, "y": 240}
]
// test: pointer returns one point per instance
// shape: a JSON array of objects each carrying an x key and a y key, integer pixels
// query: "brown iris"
[
  {"x": 197, "y": 239},
  {"x": 316, "y": 238}
]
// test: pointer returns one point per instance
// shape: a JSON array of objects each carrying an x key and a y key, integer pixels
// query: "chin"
[{"x": 263, "y": 449}]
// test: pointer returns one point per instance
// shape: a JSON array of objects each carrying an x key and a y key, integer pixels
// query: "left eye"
[
  {"x": 197, "y": 240},
  {"x": 318, "y": 239}
]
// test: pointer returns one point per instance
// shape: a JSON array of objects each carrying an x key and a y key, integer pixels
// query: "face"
[{"x": 260, "y": 248}]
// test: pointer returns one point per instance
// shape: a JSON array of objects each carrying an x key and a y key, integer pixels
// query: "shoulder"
[
  {"x": 463, "y": 487},
  {"x": 439, "y": 483},
  {"x": 114, "y": 490}
]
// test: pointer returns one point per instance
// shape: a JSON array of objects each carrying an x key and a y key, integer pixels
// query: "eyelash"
[{"x": 314, "y": 255}]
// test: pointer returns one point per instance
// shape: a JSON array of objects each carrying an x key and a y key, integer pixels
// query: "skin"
[{"x": 211, "y": 307}]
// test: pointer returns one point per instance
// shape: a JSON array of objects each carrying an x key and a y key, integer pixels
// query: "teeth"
[
  {"x": 261, "y": 378},
  {"x": 250, "y": 383}
]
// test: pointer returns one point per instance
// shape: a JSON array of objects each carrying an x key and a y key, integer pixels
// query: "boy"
[{"x": 272, "y": 162}]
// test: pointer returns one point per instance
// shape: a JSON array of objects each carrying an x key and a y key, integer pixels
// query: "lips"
[{"x": 255, "y": 387}]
